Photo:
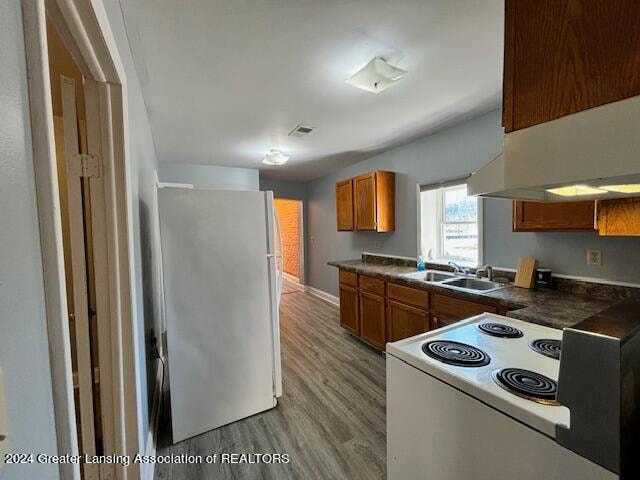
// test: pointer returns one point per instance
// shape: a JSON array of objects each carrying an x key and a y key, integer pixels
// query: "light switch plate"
[
  {"x": 4, "y": 441},
  {"x": 594, "y": 256}
]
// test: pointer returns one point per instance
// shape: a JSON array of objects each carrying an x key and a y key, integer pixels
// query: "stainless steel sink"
[
  {"x": 473, "y": 284},
  {"x": 430, "y": 276}
]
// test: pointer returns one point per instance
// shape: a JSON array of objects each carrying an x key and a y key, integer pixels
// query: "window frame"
[{"x": 441, "y": 188}]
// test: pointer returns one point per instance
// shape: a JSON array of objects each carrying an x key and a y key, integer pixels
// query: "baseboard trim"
[
  {"x": 327, "y": 297},
  {"x": 290, "y": 277},
  {"x": 147, "y": 471}
]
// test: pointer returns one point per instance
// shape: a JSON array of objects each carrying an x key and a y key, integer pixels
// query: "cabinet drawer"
[
  {"x": 371, "y": 285},
  {"x": 349, "y": 279},
  {"x": 456, "y": 308},
  {"x": 409, "y": 296}
]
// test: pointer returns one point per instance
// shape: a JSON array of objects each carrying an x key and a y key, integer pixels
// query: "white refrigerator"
[{"x": 222, "y": 282}]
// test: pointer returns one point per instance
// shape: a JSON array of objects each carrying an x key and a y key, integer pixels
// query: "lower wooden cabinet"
[
  {"x": 378, "y": 312},
  {"x": 404, "y": 321},
  {"x": 447, "y": 310},
  {"x": 439, "y": 320},
  {"x": 372, "y": 320},
  {"x": 349, "y": 312}
]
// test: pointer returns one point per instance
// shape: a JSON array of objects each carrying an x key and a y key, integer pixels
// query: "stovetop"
[{"x": 496, "y": 343}]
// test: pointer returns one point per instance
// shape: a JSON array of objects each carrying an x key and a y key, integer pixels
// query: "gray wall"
[
  {"x": 284, "y": 189},
  {"x": 145, "y": 232},
  {"x": 24, "y": 350},
  {"x": 209, "y": 176},
  {"x": 451, "y": 153}
]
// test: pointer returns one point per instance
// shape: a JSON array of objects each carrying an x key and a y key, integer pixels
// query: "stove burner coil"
[
  {"x": 547, "y": 347},
  {"x": 527, "y": 384},
  {"x": 500, "y": 330},
  {"x": 456, "y": 353}
]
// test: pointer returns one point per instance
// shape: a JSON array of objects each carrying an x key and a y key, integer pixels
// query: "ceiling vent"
[{"x": 301, "y": 131}]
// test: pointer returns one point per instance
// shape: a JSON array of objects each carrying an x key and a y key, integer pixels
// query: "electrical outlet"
[
  {"x": 594, "y": 256},
  {"x": 378, "y": 244}
]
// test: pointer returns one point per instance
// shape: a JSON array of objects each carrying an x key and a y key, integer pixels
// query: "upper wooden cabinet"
[
  {"x": 344, "y": 205},
  {"x": 562, "y": 57},
  {"x": 543, "y": 217},
  {"x": 618, "y": 217},
  {"x": 367, "y": 202}
]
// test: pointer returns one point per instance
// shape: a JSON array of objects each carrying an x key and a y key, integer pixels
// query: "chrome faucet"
[
  {"x": 458, "y": 269},
  {"x": 487, "y": 269}
]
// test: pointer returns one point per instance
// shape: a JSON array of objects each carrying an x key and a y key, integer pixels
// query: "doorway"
[
  {"x": 291, "y": 230},
  {"x": 74, "y": 186},
  {"x": 78, "y": 106}
]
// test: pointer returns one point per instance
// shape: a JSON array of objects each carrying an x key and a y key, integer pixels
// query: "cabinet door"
[
  {"x": 365, "y": 201},
  {"x": 562, "y": 57},
  {"x": 564, "y": 216},
  {"x": 349, "y": 318},
  {"x": 404, "y": 321},
  {"x": 439, "y": 320},
  {"x": 372, "y": 320},
  {"x": 449, "y": 309},
  {"x": 619, "y": 217},
  {"x": 344, "y": 205}
]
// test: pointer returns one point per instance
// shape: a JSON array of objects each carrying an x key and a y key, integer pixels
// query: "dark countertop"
[{"x": 553, "y": 308}]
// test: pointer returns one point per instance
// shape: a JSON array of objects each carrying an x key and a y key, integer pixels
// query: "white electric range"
[{"x": 476, "y": 400}]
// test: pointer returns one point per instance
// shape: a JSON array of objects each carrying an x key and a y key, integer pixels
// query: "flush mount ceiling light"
[
  {"x": 376, "y": 76},
  {"x": 629, "y": 188},
  {"x": 275, "y": 157},
  {"x": 576, "y": 191}
]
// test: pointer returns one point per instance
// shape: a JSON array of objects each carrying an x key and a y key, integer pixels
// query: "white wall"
[
  {"x": 210, "y": 176},
  {"x": 452, "y": 153},
  {"x": 24, "y": 351}
]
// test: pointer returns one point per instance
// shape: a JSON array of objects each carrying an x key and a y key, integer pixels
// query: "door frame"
[
  {"x": 301, "y": 230},
  {"x": 84, "y": 27}
]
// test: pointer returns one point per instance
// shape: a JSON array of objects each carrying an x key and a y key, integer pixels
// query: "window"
[{"x": 450, "y": 224}]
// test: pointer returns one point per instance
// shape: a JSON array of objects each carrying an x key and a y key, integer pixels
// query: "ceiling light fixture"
[
  {"x": 629, "y": 188},
  {"x": 275, "y": 157},
  {"x": 376, "y": 76},
  {"x": 576, "y": 190}
]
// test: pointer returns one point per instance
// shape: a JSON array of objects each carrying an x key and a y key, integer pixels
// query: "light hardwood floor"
[{"x": 330, "y": 419}]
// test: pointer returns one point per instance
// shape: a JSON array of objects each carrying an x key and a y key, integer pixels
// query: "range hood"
[{"x": 592, "y": 154}]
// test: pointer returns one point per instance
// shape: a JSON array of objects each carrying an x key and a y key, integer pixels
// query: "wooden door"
[
  {"x": 372, "y": 320},
  {"x": 344, "y": 205},
  {"x": 365, "y": 201},
  {"x": 562, "y": 57},
  {"x": 349, "y": 318},
  {"x": 619, "y": 217},
  {"x": 449, "y": 309},
  {"x": 542, "y": 217},
  {"x": 439, "y": 320},
  {"x": 78, "y": 250},
  {"x": 404, "y": 321}
]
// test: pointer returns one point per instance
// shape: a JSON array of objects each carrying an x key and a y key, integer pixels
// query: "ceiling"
[{"x": 225, "y": 81}]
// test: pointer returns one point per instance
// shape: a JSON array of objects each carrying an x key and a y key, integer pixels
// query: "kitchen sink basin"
[
  {"x": 473, "y": 284},
  {"x": 430, "y": 276}
]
